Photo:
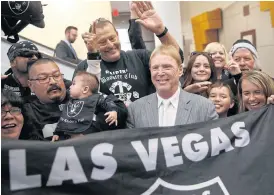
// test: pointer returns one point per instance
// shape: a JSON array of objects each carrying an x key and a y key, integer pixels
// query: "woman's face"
[
  {"x": 201, "y": 69},
  {"x": 218, "y": 56},
  {"x": 253, "y": 96},
  {"x": 11, "y": 122}
]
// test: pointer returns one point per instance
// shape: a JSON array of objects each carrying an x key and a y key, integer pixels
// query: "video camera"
[{"x": 16, "y": 15}]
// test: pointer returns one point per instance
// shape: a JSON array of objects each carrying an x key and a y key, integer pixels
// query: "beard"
[{"x": 22, "y": 69}]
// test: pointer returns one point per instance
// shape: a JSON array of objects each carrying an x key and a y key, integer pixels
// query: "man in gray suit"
[
  {"x": 64, "y": 49},
  {"x": 170, "y": 105}
]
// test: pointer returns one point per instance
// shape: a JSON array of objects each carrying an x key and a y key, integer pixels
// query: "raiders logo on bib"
[
  {"x": 73, "y": 109},
  {"x": 18, "y": 7}
]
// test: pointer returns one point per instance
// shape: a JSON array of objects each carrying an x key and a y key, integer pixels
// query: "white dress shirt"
[{"x": 167, "y": 109}]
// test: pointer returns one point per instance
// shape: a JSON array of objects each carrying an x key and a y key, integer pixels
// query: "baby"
[{"x": 78, "y": 113}]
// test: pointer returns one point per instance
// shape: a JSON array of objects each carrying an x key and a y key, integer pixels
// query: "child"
[
  {"x": 222, "y": 97},
  {"x": 78, "y": 113}
]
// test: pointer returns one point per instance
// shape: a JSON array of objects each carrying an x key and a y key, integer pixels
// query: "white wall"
[
  {"x": 258, "y": 20},
  {"x": 170, "y": 13},
  {"x": 190, "y": 9},
  {"x": 60, "y": 14}
]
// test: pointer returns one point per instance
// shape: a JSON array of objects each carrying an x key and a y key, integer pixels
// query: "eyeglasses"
[
  {"x": 14, "y": 111},
  {"x": 46, "y": 78},
  {"x": 29, "y": 54},
  {"x": 200, "y": 53}
]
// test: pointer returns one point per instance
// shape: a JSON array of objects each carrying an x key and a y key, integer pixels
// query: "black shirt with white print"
[
  {"x": 128, "y": 78},
  {"x": 11, "y": 84},
  {"x": 42, "y": 119},
  {"x": 78, "y": 114}
]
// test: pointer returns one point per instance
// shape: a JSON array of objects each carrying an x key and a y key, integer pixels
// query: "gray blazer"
[
  {"x": 64, "y": 52},
  {"x": 192, "y": 108}
]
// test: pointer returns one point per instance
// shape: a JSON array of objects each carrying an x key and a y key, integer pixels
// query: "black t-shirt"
[
  {"x": 77, "y": 115},
  {"x": 128, "y": 78},
  {"x": 11, "y": 84},
  {"x": 41, "y": 119}
]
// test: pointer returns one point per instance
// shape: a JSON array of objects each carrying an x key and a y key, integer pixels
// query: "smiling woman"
[
  {"x": 200, "y": 73},
  {"x": 12, "y": 119},
  {"x": 255, "y": 90}
]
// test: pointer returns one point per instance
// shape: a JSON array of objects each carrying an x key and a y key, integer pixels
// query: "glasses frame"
[
  {"x": 48, "y": 79},
  {"x": 4, "y": 112}
]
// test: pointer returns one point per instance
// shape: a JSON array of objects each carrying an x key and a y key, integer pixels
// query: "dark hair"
[
  {"x": 187, "y": 75},
  {"x": 38, "y": 62},
  {"x": 218, "y": 84},
  {"x": 89, "y": 80},
  {"x": 69, "y": 28},
  {"x": 9, "y": 97}
]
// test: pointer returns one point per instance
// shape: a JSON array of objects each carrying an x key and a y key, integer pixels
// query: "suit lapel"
[
  {"x": 70, "y": 49},
  {"x": 152, "y": 111},
  {"x": 184, "y": 108}
]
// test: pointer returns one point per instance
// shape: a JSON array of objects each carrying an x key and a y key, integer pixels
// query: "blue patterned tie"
[{"x": 73, "y": 51}]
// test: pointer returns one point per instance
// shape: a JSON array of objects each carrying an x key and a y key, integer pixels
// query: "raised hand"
[
  {"x": 198, "y": 87},
  {"x": 90, "y": 39},
  {"x": 233, "y": 67},
  {"x": 112, "y": 118},
  {"x": 148, "y": 16}
]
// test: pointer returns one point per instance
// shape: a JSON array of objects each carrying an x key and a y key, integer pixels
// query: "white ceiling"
[{"x": 122, "y": 6}]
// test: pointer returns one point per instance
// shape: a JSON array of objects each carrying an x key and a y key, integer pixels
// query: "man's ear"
[
  {"x": 181, "y": 72},
  {"x": 31, "y": 86},
  {"x": 12, "y": 63}
]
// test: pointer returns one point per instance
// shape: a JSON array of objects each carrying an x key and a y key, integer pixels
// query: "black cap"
[{"x": 24, "y": 49}]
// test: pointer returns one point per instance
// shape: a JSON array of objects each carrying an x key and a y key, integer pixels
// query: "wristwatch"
[
  {"x": 163, "y": 33},
  {"x": 94, "y": 56}
]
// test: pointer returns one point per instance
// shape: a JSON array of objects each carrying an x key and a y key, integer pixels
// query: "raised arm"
[{"x": 135, "y": 31}]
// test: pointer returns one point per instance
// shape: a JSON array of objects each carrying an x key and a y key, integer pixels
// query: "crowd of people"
[{"x": 114, "y": 89}]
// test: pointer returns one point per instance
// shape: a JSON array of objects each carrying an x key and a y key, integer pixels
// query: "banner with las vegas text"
[{"x": 231, "y": 156}]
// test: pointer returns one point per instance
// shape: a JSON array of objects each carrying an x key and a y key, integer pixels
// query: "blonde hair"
[
  {"x": 168, "y": 50},
  {"x": 259, "y": 79},
  {"x": 213, "y": 47}
]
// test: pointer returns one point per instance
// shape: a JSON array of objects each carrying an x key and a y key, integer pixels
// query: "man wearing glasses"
[
  {"x": 20, "y": 54},
  {"x": 43, "y": 112}
]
